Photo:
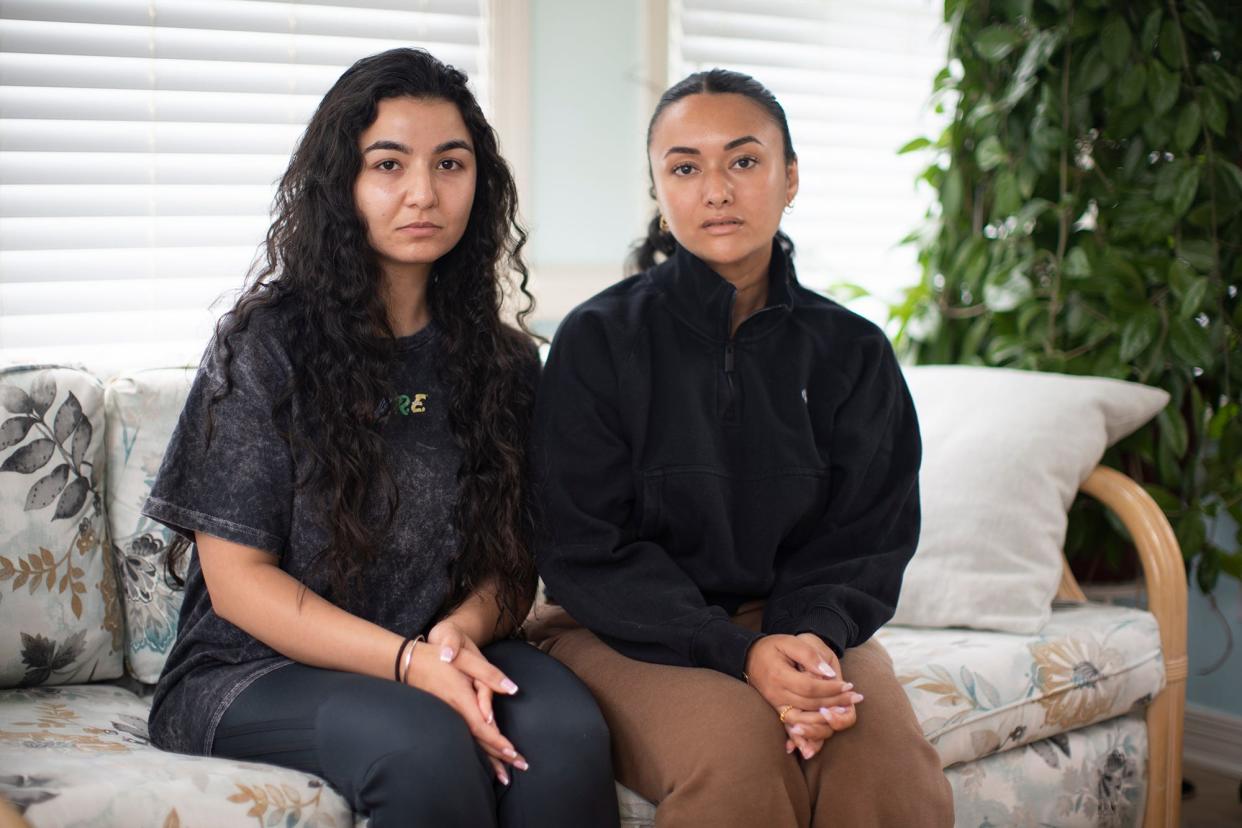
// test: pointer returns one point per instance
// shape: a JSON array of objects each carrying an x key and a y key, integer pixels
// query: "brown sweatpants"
[{"x": 710, "y": 751}]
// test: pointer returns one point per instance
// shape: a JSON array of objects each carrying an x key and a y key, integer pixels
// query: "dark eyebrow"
[
  {"x": 734, "y": 144},
  {"x": 395, "y": 146},
  {"x": 387, "y": 145},
  {"x": 456, "y": 143}
]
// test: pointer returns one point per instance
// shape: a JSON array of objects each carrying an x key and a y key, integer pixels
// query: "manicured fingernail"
[
  {"x": 789, "y": 748},
  {"x": 823, "y": 711},
  {"x": 797, "y": 730},
  {"x": 509, "y": 687},
  {"x": 840, "y": 711},
  {"x": 504, "y": 777},
  {"x": 856, "y": 697},
  {"x": 446, "y": 654},
  {"x": 510, "y": 752},
  {"x": 849, "y": 685},
  {"x": 521, "y": 765},
  {"x": 491, "y": 717},
  {"x": 807, "y": 753},
  {"x": 827, "y": 670}
]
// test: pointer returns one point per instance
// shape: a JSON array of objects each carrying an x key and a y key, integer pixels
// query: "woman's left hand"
[{"x": 451, "y": 641}]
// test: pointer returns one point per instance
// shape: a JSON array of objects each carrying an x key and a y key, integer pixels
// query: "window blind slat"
[
  {"x": 95, "y": 72},
  {"x": 103, "y": 264},
  {"x": 77, "y": 232},
  {"x": 19, "y": 167},
  {"x": 32, "y": 134},
  {"x": 153, "y": 105},
  {"x": 48, "y": 200},
  {"x": 36, "y": 37}
]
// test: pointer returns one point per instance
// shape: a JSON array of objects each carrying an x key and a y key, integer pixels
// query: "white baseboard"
[{"x": 1213, "y": 740}]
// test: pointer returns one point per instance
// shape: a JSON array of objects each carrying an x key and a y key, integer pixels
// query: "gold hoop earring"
[{"x": 663, "y": 224}]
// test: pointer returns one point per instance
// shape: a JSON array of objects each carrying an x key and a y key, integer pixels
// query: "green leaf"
[
  {"x": 1220, "y": 81},
  {"x": 1091, "y": 72},
  {"x": 1076, "y": 265},
  {"x": 1162, "y": 89},
  {"x": 1227, "y": 414},
  {"x": 1151, "y": 29},
  {"x": 1188, "y": 125},
  {"x": 1115, "y": 40},
  {"x": 1181, "y": 276},
  {"x": 1170, "y": 47},
  {"x": 1137, "y": 333},
  {"x": 1193, "y": 300},
  {"x": 1199, "y": 253},
  {"x": 1214, "y": 114},
  {"x": 995, "y": 42},
  {"x": 1008, "y": 196},
  {"x": 1031, "y": 211},
  {"x": 1166, "y": 180},
  {"x": 1130, "y": 85},
  {"x": 1165, "y": 499},
  {"x": 1190, "y": 343},
  {"x": 917, "y": 144},
  {"x": 1231, "y": 171},
  {"x": 1027, "y": 176},
  {"x": 951, "y": 195},
  {"x": 1173, "y": 430},
  {"x": 1199, "y": 18},
  {"x": 1037, "y": 52},
  {"x": 990, "y": 153},
  {"x": 1185, "y": 189}
]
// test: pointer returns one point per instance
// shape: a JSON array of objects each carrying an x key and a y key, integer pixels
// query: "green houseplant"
[{"x": 1088, "y": 220}]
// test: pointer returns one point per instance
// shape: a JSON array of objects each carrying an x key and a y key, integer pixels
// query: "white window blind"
[
  {"x": 854, "y": 79},
  {"x": 140, "y": 144}
]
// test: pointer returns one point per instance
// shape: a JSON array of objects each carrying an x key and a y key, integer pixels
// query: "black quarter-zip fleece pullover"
[{"x": 684, "y": 470}]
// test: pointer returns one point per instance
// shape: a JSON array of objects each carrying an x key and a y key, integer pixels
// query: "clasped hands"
[
  {"x": 801, "y": 678},
  {"x": 450, "y": 666}
]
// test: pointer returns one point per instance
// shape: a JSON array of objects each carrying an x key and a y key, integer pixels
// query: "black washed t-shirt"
[{"x": 240, "y": 487}]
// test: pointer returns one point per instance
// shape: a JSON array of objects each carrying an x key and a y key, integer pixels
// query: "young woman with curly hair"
[
  {"x": 730, "y": 476},
  {"x": 350, "y": 467}
]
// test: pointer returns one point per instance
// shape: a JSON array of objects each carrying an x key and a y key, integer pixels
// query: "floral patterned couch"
[{"x": 1077, "y": 725}]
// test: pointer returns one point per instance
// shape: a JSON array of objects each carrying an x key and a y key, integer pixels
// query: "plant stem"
[
  {"x": 1211, "y": 163},
  {"x": 1054, "y": 307}
]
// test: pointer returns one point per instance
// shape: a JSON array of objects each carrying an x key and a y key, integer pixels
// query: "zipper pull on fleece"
[{"x": 729, "y": 358}]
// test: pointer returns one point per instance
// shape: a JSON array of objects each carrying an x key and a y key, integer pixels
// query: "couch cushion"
[
  {"x": 1089, "y": 777},
  {"x": 52, "y": 741},
  {"x": 1004, "y": 453},
  {"x": 60, "y": 618},
  {"x": 142, "y": 410},
  {"x": 978, "y": 692}
]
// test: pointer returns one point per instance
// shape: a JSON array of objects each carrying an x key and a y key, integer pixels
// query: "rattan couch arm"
[{"x": 1165, "y": 576}]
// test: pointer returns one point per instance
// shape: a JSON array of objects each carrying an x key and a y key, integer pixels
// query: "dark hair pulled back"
[
  {"x": 320, "y": 270},
  {"x": 660, "y": 242}
]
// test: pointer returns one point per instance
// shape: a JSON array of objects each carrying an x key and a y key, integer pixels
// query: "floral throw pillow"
[
  {"x": 60, "y": 616},
  {"x": 143, "y": 409}
]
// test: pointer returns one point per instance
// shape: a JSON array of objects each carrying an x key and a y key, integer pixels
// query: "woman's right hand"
[
  {"x": 793, "y": 675},
  {"x": 455, "y": 684}
]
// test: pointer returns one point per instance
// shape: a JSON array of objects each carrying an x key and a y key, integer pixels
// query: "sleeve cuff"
[
  {"x": 828, "y": 624},
  {"x": 722, "y": 645}
]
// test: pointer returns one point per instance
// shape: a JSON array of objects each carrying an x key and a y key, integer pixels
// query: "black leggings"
[{"x": 403, "y": 757}]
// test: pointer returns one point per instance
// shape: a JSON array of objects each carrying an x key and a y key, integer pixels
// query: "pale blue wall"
[
  {"x": 588, "y": 159},
  {"x": 1222, "y": 689}
]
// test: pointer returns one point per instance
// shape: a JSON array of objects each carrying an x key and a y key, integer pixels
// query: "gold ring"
[{"x": 784, "y": 711}]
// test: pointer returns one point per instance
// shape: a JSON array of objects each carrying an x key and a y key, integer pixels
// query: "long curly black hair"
[
  {"x": 322, "y": 274},
  {"x": 658, "y": 242}
]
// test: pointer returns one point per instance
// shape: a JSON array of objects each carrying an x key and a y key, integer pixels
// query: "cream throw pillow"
[{"x": 1004, "y": 452}]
